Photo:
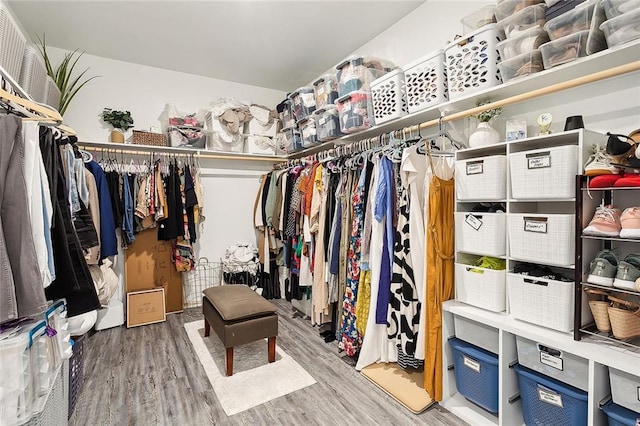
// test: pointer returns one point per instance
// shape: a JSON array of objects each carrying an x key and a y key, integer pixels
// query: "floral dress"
[{"x": 350, "y": 338}]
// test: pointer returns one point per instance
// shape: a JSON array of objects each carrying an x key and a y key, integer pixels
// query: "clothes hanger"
[{"x": 442, "y": 132}]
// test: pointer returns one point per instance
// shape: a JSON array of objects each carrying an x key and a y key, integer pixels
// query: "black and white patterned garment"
[{"x": 404, "y": 305}]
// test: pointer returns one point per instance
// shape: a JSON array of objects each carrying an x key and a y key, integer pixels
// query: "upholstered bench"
[{"x": 238, "y": 315}]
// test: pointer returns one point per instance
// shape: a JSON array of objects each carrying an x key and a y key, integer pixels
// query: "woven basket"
[
  {"x": 599, "y": 309},
  {"x": 149, "y": 138},
  {"x": 625, "y": 318}
]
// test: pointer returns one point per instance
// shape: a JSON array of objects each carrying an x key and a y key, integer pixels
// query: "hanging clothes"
[
  {"x": 440, "y": 267},
  {"x": 108, "y": 241}
]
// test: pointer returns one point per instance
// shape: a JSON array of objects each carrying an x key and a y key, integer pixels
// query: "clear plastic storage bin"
[
  {"x": 546, "y": 401},
  {"x": 355, "y": 112},
  {"x": 293, "y": 140},
  {"x": 615, "y": 8},
  {"x": 560, "y": 365},
  {"x": 544, "y": 302},
  {"x": 506, "y": 8},
  {"x": 478, "y": 19},
  {"x": 623, "y": 28},
  {"x": 477, "y": 333},
  {"x": 476, "y": 372},
  {"x": 578, "y": 19},
  {"x": 482, "y": 178},
  {"x": 327, "y": 123},
  {"x": 472, "y": 62},
  {"x": 357, "y": 73},
  {"x": 542, "y": 238},
  {"x": 426, "y": 82},
  {"x": 528, "y": 18},
  {"x": 389, "y": 97},
  {"x": 307, "y": 128},
  {"x": 326, "y": 90},
  {"x": 566, "y": 49},
  {"x": 547, "y": 173},
  {"x": 303, "y": 102},
  {"x": 521, "y": 66},
  {"x": 524, "y": 42},
  {"x": 286, "y": 116}
]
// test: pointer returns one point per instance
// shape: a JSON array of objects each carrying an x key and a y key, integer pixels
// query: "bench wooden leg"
[
  {"x": 207, "y": 328},
  {"x": 272, "y": 348},
  {"x": 230, "y": 361}
]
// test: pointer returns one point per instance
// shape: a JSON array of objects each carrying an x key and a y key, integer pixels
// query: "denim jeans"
[{"x": 21, "y": 288}]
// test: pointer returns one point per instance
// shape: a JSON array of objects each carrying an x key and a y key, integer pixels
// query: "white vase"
[{"x": 483, "y": 135}]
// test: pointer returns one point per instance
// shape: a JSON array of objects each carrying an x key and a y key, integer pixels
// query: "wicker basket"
[
  {"x": 625, "y": 318},
  {"x": 149, "y": 138},
  {"x": 599, "y": 309}
]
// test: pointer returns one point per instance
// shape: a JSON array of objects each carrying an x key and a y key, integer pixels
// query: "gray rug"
[{"x": 254, "y": 380}]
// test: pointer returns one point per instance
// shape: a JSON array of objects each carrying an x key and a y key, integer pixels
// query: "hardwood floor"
[{"x": 150, "y": 375}]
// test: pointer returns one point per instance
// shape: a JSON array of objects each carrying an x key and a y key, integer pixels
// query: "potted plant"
[
  {"x": 121, "y": 121},
  {"x": 484, "y": 133}
]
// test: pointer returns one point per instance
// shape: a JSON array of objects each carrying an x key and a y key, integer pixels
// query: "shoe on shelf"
[
  {"x": 604, "y": 181},
  {"x": 605, "y": 222},
  {"x": 599, "y": 164},
  {"x": 630, "y": 222},
  {"x": 602, "y": 269},
  {"x": 620, "y": 146},
  {"x": 628, "y": 272},
  {"x": 628, "y": 180},
  {"x": 637, "y": 284}
]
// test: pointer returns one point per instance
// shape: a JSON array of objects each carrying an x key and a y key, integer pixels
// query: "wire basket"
[
  {"x": 76, "y": 369},
  {"x": 205, "y": 274},
  {"x": 247, "y": 273}
]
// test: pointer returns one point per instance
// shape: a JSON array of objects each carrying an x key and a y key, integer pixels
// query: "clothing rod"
[{"x": 196, "y": 154}]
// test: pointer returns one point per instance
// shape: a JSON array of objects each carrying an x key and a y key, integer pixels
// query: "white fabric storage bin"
[
  {"x": 426, "y": 82},
  {"x": 481, "y": 287},
  {"x": 52, "y": 93},
  {"x": 544, "y": 173},
  {"x": 472, "y": 62},
  {"x": 33, "y": 74},
  {"x": 540, "y": 238},
  {"x": 543, "y": 302},
  {"x": 12, "y": 44},
  {"x": 481, "y": 233},
  {"x": 219, "y": 138},
  {"x": 563, "y": 366},
  {"x": 389, "y": 98},
  {"x": 482, "y": 178},
  {"x": 262, "y": 145},
  {"x": 262, "y": 122},
  {"x": 476, "y": 333},
  {"x": 625, "y": 389}
]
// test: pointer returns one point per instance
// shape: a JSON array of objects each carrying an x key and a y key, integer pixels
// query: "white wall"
[{"x": 144, "y": 91}]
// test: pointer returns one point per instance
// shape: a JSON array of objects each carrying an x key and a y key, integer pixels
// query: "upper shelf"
[{"x": 601, "y": 61}]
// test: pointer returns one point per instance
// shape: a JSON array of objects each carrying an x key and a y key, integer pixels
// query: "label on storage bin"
[
  {"x": 322, "y": 121},
  {"x": 549, "y": 397},
  {"x": 551, "y": 361},
  {"x": 472, "y": 364},
  {"x": 473, "y": 221},
  {"x": 535, "y": 224},
  {"x": 346, "y": 106},
  {"x": 638, "y": 393},
  {"x": 475, "y": 167},
  {"x": 539, "y": 160}
]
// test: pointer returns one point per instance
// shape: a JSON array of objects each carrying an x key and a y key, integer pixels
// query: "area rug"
[
  {"x": 403, "y": 386},
  {"x": 254, "y": 380}
]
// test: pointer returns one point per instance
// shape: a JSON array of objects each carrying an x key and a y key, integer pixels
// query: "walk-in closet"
[{"x": 320, "y": 212}]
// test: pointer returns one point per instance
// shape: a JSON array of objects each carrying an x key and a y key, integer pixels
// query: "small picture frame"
[{"x": 516, "y": 129}]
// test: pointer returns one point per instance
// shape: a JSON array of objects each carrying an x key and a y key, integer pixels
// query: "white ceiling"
[{"x": 274, "y": 44}]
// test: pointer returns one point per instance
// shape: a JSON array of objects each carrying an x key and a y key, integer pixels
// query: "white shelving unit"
[{"x": 504, "y": 324}]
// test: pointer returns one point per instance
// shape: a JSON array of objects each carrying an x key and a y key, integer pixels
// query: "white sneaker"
[{"x": 599, "y": 164}]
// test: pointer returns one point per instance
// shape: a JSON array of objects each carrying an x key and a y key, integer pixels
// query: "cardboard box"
[
  {"x": 145, "y": 307},
  {"x": 148, "y": 265}
]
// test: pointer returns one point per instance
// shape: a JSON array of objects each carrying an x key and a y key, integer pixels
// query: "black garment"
[
  {"x": 86, "y": 230},
  {"x": 265, "y": 194},
  {"x": 73, "y": 280},
  {"x": 334, "y": 180},
  {"x": 173, "y": 225},
  {"x": 113, "y": 182},
  {"x": 190, "y": 202}
]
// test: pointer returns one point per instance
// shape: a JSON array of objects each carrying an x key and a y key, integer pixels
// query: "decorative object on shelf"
[
  {"x": 625, "y": 318},
  {"x": 62, "y": 75},
  {"x": 544, "y": 121},
  {"x": 485, "y": 134},
  {"x": 599, "y": 308},
  {"x": 516, "y": 129},
  {"x": 119, "y": 120},
  {"x": 141, "y": 137},
  {"x": 574, "y": 122}
]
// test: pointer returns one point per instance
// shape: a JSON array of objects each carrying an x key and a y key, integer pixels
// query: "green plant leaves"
[
  {"x": 62, "y": 75},
  {"x": 118, "y": 119}
]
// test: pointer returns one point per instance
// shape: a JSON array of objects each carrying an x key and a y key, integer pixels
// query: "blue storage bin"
[
  {"x": 476, "y": 372},
  {"x": 620, "y": 416},
  {"x": 546, "y": 401}
]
